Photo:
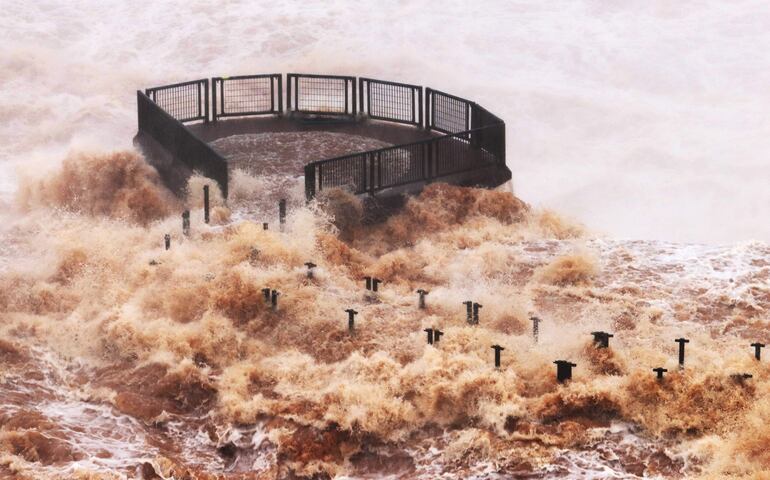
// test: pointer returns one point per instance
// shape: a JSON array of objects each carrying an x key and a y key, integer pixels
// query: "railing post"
[
  {"x": 309, "y": 181},
  {"x": 361, "y": 108},
  {"x": 371, "y": 173},
  {"x": 420, "y": 114},
  {"x": 214, "y": 99},
  {"x": 206, "y": 203},
  {"x": 206, "y": 100},
  {"x": 280, "y": 92},
  {"x": 354, "y": 96}
]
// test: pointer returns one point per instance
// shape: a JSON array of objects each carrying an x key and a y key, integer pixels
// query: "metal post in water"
[
  {"x": 368, "y": 282},
  {"x": 437, "y": 335},
  {"x": 429, "y": 331},
  {"x": 282, "y": 212},
  {"x": 758, "y": 350},
  {"x": 422, "y": 293},
  {"x": 206, "y": 203},
  {"x": 497, "y": 349},
  {"x": 167, "y": 240},
  {"x": 266, "y": 293},
  {"x": 681, "y": 342},
  {"x": 468, "y": 311},
  {"x": 564, "y": 370},
  {"x": 264, "y": 225},
  {"x": 741, "y": 377},
  {"x": 351, "y": 319},
  {"x": 375, "y": 282},
  {"x": 310, "y": 266},
  {"x": 535, "y": 327},
  {"x": 274, "y": 299},
  {"x": 186, "y": 222},
  {"x": 660, "y": 371},
  {"x": 602, "y": 339},
  {"x": 476, "y": 307}
]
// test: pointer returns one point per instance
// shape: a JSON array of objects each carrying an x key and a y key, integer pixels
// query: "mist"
[{"x": 647, "y": 120}]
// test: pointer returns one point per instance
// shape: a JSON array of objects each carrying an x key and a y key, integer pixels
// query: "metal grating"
[
  {"x": 449, "y": 114},
  {"x": 185, "y": 102},
  {"x": 397, "y": 102},
  {"x": 247, "y": 95},
  {"x": 321, "y": 94}
]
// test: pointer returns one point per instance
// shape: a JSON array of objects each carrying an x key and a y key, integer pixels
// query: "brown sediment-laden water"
[{"x": 120, "y": 359}]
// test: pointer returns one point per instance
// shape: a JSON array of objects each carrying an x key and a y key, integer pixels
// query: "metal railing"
[
  {"x": 390, "y": 101},
  {"x": 246, "y": 95},
  {"x": 186, "y": 101},
  {"x": 180, "y": 142},
  {"x": 473, "y": 138},
  {"x": 321, "y": 94}
]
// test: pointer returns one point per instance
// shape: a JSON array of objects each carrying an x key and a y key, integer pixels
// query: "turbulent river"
[
  {"x": 637, "y": 133},
  {"x": 122, "y": 359}
]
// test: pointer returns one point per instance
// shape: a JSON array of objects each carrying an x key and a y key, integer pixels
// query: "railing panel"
[
  {"x": 186, "y": 102},
  {"x": 247, "y": 95},
  {"x": 348, "y": 172},
  {"x": 400, "y": 165},
  {"x": 456, "y": 154},
  {"x": 391, "y": 101},
  {"x": 181, "y": 144},
  {"x": 448, "y": 114},
  {"x": 321, "y": 94}
]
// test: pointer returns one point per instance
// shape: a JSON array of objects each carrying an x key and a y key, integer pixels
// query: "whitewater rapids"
[{"x": 122, "y": 359}]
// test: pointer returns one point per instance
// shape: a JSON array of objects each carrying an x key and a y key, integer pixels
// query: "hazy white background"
[{"x": 643, "y": 119}]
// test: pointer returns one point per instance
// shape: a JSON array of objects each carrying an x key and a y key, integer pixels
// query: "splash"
[
  {"x": 205, "y": 377},
  {"x": 119, "y": 185}
]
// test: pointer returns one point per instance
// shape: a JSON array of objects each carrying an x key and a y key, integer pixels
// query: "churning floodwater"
[
  {"x": 646, "y": 119},
  {"x": 637, "y": 136}
]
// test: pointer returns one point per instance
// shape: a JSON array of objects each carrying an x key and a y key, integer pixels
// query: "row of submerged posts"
[
  {"x": 564, "y": 368},
  {"x": 462, "y": 137}
]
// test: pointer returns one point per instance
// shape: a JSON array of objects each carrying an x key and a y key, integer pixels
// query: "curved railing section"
[{"x": 464, "y": 137}]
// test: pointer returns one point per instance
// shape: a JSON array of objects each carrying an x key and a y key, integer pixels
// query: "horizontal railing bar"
[
  {"x": 315, "y": 75},
  {"x": 387, "y": 82},
  {"x": 174, "y": 85},
  {"x": 244, "y": 77},
  {"x": 449, "y": 95}
]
